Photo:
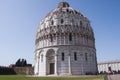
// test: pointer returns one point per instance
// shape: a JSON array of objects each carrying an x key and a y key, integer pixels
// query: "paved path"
[{"x": 113, "y": 77}]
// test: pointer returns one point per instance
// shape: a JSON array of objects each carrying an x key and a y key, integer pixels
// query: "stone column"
[
  {"x": 82, "y": 64},
  {"x": 60, "y": 38},
  {"x": 69, "y": 64},
  {"x": 56, "y": 73},
  {"x": 57, "y": 38},
  {"x": 64, "y": 39},
  {"x": 38, "y": 64}
]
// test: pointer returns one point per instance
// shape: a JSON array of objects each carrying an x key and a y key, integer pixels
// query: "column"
[
  {"x": 38, "y": 64},
  {"x": 64, "y": 39},
  {"x": 69, "y": 64},
  {"x": 56, "y": 73},
  {"x": 82, "y": 65}
]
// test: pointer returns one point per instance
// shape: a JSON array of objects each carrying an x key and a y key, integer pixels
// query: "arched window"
[
  {"x": 70, "y": 37},
  {"x": 51, "y": 38},
  {"x": 75, "y": 56},
  {"x": 86, "y": 57},
  {"x": 63, "y": 56},
  {"x": 67, "y": 10},
  {"x": 52, "y": 22},
  {"x": 62, "y": 21},
  {"x": 80, "y": 23}
]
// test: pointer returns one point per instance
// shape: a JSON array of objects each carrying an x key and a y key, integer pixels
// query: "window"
[
  {"x": 70, "y": 37},
  {"x": 52, "y": 22},
  {"x": 67, "y": 10},
  {"x": 86, "y": 57},
  {"x": 109, "y": 69},
  {"x": 51, "y": 38},
  {"x": 80, "y": 23},
  {"x": 63, "y": 56},
  {"x": 62, "y": 21},
  {"x": 75, "y": 56}
]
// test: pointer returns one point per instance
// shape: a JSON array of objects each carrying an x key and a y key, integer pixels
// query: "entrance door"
[
  {"x": 109, "y": 69},
  {"x": 51, "y": 68}
]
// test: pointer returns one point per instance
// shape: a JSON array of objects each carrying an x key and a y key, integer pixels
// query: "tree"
[
  {"x": 18, "y": 63},
  {"x": 21, "y": 63}
]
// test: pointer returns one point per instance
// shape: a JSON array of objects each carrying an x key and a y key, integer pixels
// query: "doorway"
[
  {"x": 51, "y": 68},
  {"x": 50, "y": 62},
  {"x": 109, "y": 69}
]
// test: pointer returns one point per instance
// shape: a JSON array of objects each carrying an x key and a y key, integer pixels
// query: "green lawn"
[{"x": 21, "y": 77}]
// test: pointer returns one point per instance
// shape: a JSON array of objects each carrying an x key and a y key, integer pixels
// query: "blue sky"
[{"x": 19, "y": 20}]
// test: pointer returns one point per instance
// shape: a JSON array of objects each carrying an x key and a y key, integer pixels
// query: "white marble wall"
[
  {"x": 115, "y": 66},
  {"x": 69, "y": 66}
]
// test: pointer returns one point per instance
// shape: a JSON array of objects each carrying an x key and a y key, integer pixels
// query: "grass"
[{"x": 23, "y": 77}]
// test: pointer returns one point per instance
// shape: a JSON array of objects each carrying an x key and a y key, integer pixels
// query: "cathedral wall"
[
  {"x": 63, "y": 65},
  {"x": 107, "y": 67},
  {"x": 79, "y": 66},
  {"x": 42, "y": 67},
  {"x": 40, "y": 64},
  {"x": 85, "y": 64},
  {"x": 63, "y": 39}
]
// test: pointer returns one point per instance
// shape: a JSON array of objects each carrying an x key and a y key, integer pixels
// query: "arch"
[
  {"x": 38, "y": 61},
  {"x": 50, "y": 61}
]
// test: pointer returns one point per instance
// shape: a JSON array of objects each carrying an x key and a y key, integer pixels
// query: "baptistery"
[{"x": 65, "y": 44}]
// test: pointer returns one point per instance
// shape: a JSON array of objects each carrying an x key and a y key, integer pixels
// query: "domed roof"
[
  {"x": 63, "y": 11},
  {"x": 64, "y": 15}
]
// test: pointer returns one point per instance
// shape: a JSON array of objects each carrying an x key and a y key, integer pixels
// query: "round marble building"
[{"x": 65, "y": 44}]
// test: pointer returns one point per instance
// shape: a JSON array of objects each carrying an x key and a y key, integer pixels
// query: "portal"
[{"x": 52, "y": 68}]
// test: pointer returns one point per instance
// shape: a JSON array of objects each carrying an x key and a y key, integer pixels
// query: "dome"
[{"x": 62, "y": 20}]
